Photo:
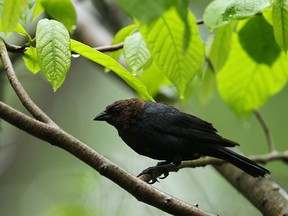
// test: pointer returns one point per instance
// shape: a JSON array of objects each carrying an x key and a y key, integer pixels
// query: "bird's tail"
[{"x": 241, "y": 162}]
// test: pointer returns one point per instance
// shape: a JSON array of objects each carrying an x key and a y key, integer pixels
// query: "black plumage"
[{"x": 162, "y": 132}]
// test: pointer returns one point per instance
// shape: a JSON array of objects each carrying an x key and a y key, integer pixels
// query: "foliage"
[
  {"x": 244, "y": 59},
  {"x": 53, "y": 51},
  {"x": 111, "y": 64},
  {"x": 163, "y": 46}
]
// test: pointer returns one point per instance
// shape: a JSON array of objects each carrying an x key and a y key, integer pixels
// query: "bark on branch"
[{"x": 263, "y": 193}]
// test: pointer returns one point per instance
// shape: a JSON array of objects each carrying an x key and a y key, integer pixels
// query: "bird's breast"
[{"x": 156, "y": 145}]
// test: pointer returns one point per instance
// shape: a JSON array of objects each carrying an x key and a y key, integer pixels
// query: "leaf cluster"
[{"x": 246, "y": 52}]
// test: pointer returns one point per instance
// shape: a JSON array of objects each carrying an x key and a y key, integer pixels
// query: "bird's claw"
[
  {"x": 149, "y": 171},
  {"x": 155, "y": 172},
  {"x": 153, "y": 180},
  {"x": 164, "y": 175}
]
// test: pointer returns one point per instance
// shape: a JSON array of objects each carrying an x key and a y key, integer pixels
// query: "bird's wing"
[{"x": 189, "y": 127}]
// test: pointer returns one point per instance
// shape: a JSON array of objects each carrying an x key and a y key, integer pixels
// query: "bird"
[{"x": 164, "y": 133}]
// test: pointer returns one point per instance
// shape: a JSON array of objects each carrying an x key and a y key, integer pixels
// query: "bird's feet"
[{"x": 161, "y": 171}]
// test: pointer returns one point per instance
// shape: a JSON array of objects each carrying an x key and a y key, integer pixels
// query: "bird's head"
[{"x": 122, "y": 113}]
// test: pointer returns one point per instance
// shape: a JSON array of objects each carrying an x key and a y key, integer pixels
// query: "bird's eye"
[{"x": 117, "y": 110}]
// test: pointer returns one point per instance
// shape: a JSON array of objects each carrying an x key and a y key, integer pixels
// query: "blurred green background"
[{"x": 39, "y": 179}]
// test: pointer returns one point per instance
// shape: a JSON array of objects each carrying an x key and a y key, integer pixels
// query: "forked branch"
[{"x": 45, "y": 129}]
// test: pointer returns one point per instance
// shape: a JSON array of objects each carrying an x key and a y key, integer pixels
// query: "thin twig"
[
  {"x": 200, "y": 22},
  {"x": 106, "y": 48},
  {"x": 109, "y": 48},
  {"x": 274, "y": 155},
  {"x": 267, "y": 132},
  {"x": 265, "y": 194},
  {"x": 18, "y": 88},
  {"x": 202, "y": 162}
]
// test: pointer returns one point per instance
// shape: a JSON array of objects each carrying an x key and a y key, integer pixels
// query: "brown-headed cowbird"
[{"x": 162, "y": 132}]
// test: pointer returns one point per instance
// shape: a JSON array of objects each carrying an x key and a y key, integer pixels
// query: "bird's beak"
[{"x": 103, "y": 116}]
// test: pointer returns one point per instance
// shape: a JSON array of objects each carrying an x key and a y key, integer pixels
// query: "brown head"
[{"x": 122, "y": 113}]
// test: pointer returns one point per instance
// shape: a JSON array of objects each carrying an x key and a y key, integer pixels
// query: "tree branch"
[
  {"x": 106, "y": 48},
  {"x": 264, "y": 158},
  {"x": 274, "y": 155},
  {"x": 271, "y": 145},
  {"x": 263, "y": 193},
  {"x": 139, "y": 189},
  {"x": 18, "y": 88}
]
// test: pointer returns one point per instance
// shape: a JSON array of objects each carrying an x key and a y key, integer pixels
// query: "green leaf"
[
  {"x": 147, "y": 10},
  {"x": 31, "y": 60},
  {"x": 136, "y": 54},
  {"x": 246, "y": 83},
  {"x": 123, "y": 33},
  {"x": 151, "y": 10},
  {"x": 37, "y": 10},
  {"x": 221, "y": 46},
  {"x": 182, "y": 9},
  {"x": 120, "y": 37},
  {"x": 164, "y": 40},
  {"x": 11, "y": 14},
  {"x": 207, "y": 87},
  {"x": 110, "y": 63},
  {"x": 222, "y": 12},
  {"x": 154, "y": 79},
  {"x": 280, "y": 23},
  {"x": 262, "y": 47},
  {"x": 18, "y": 29},
  {"x": 53, "y": 50},
  {"x": 63, "y": 11},
  {"x": 26, "y": 10},
  {"x": 267, "y": 14}
]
